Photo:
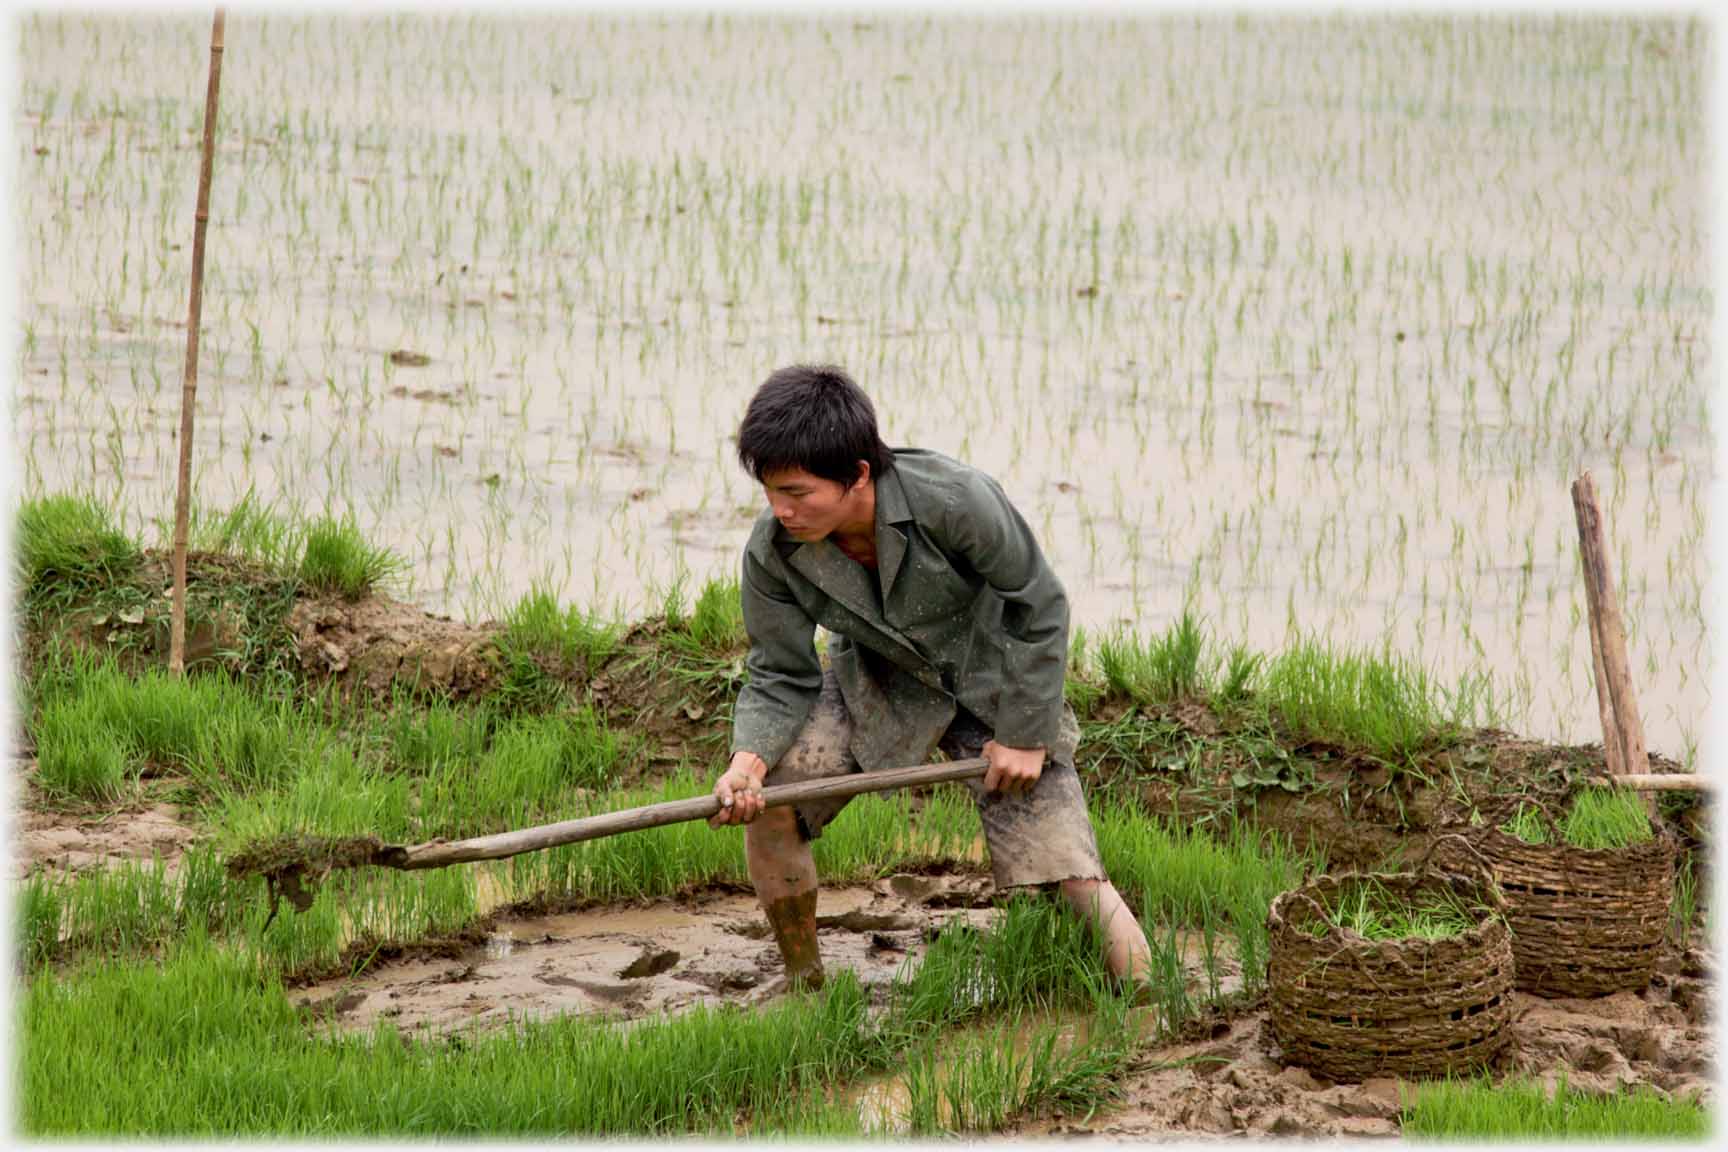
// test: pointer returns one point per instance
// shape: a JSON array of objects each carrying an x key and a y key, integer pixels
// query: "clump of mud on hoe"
[{"x": 292, "y": 865}]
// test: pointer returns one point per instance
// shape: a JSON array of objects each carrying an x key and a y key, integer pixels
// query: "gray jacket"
[{"x": 968, "y": 610}]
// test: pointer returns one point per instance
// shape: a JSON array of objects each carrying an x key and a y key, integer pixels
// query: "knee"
[
  {"x": 772, "y": 832},
  {"x": 1082, "y": 890}
]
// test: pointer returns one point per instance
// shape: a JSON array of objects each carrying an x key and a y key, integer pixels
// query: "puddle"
[{"x": 645, "y": 960}]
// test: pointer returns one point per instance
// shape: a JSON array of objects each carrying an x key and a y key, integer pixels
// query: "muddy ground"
[
  {"x": 1225, "y": 1078},
  {"x": 44, "y": 837}
]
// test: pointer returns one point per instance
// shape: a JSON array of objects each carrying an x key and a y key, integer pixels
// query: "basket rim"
[
  {"x": 1662, "y": 842},
  {"x": 1278, "y": 920}
]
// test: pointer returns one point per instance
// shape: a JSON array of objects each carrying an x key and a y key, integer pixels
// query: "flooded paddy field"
[
  {"x": 1286, "y": 334},
  {"x": 1304, "y": 323}
]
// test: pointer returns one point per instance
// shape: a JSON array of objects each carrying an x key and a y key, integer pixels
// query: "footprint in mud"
[
  {"x": 722, "y": 982},
  {"x": 623, "y": 995},
  {"x": 859, "y": 920},
  {"x": 943, "y": 891},
  {"x": 652, "y": 962}
]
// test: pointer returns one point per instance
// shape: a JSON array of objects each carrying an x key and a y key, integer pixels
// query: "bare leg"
[
  {"x": 784, "y": 872},
  {"x": 1126, "y": 952}
]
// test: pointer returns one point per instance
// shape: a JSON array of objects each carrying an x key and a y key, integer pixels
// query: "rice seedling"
[
  {"x": 1009, "y": 1071},
  {"x": 337, "y": 558},
  {"x": 1165, "y": 668},
  {"x": 536, "y": 624},
  {"x": 79, "y": 758},
  {"x": 249, "y": 527},
  {"x": 1177, "y": 873},
  {"x": 1597, "y": 818},
  {"x": 227, "y": 1054},
  {"x": 1524, "y": 1110},
  {"x": 1384, "y": 704},
  {"x": 1365, "y": 906},
  {"x": 1683, "y": 913},
  {"x": 69, "y": 540}
]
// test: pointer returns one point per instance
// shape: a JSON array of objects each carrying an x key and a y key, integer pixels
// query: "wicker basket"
[
  {"x": 1585, "y": 922},
  {"x": 1350, "y": 1008}
]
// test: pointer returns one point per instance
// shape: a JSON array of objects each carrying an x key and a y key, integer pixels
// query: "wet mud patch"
[
  {"x": 74, "y": 841},
  {"x": 637, "y": 961}
]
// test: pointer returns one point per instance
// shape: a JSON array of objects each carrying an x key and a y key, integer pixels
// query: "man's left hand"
[{"x": 1012, "y": 770}]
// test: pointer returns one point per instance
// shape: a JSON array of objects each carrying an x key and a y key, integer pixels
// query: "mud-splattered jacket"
[{"x": 962, "y": 606}]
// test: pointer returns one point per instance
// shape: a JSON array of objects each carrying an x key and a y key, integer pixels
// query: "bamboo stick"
[
  {"x": 189, "y": 386},
  {"x": 1621, "y": 722},
  {"x": 1657, "y": 781},
  {"x": 439, "y": 853}
]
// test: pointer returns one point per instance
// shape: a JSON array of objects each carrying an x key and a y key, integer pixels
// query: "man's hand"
[
  {"x": 1012, "y": 770},
  {"x": 740, "y": 790}
]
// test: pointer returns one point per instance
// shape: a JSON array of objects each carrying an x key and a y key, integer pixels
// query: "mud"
[
  {"x": 641, "y": 961},
  {"x": 376, "y": 644},
  {"x": 73, "y": 841}
]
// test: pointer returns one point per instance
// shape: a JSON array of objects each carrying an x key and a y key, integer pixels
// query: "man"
[{"x": 947, "y": 629}]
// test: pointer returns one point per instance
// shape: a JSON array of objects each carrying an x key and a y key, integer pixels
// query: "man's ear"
[{"x": 863, "y": 474}]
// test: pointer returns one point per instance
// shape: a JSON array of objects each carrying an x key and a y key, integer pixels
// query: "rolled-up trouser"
[{"x": 1035, "y": 838}]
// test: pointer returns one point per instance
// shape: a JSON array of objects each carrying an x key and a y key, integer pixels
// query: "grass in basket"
[
  {"x": 1368, "y": 908},
  {"x": 1599, "y": 818}
]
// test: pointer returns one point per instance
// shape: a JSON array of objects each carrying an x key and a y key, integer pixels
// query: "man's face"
[{"x": 807, "y": 506}]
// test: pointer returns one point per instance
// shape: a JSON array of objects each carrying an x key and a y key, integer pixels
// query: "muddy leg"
[
  {"x": 784, "y": 872},
  {"x": 1126, "y": 952}
]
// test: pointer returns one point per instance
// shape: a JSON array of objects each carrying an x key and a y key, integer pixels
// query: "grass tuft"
[
  {"x": 70, "y": 539},
  {"x": 337, "y": 559}
]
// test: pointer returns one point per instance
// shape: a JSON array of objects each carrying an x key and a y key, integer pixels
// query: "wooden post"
[
  {"x": 189, "y": 387},
  {"x": 1622, "y": 729}
]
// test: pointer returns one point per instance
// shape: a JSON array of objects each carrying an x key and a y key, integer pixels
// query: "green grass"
[
  {"x": 79, "y": 757},
  {"x": 1165, "y": 668},
  {"x": 1521, "y": 1110},
  {"x": 69, "y": 541},
  {"x": 249, "y": 528},
  {"x": 991, "y": 1076},
  {"x": 1381, "y": 703},
  {"x": 204, "y": 1043},
  {"x": 337, "y": 559},
  {"x": 1368, "y": 908},
  {"x": 537, "y": 624},
  {"x": 1597, "y": 818}
]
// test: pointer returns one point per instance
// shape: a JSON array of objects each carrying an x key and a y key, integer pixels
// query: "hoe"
[{"x": 292, "y": 865}]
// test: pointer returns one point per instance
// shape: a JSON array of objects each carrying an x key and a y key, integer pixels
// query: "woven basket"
[
  {"x": 1585, "y": 921},
  {"x": 1350, "y": 1008}
]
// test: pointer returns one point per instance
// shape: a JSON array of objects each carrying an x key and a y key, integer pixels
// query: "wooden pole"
[
  {"x": 1622, "y": 729},
  {"x": 189, "y": 387},
  {"x": 439, "y": 853}
]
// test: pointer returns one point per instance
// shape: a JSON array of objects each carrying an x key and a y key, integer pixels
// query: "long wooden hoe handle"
[{"x": 438, "y": 853}]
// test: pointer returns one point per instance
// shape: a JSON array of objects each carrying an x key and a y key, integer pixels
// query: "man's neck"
[{"x": 859, "y": 533}]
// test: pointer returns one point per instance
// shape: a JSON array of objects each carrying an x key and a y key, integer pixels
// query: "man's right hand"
[{"x": 740, "y": 790}]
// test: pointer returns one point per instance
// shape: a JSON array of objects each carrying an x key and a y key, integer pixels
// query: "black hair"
[{"x": 812, "y": 417}]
